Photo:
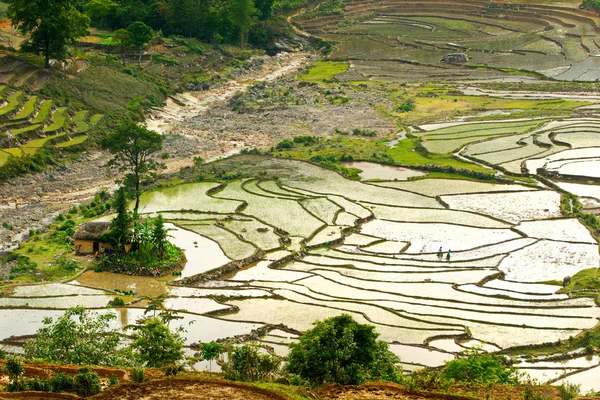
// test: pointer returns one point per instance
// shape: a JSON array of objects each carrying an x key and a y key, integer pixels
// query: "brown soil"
[
  {"x": 188, "y": 389},
  {"x": 37, "y": 396},
  {"x": 378, "y": 391}
]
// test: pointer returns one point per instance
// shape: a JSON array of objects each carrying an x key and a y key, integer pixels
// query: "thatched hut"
[{"x": 88, "y": 239}]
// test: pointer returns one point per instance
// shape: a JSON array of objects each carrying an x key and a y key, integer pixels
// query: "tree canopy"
[
  {"x": 51, "y": 24},
  {"x": 132, "y": 146},
  {"x": 79, "y": 336},
  {"x": 340, "y": 350},
  {"x": 155, "y": 345}
]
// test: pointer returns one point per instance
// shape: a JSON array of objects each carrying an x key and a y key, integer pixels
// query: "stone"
[{"x": 455, "y": 58}]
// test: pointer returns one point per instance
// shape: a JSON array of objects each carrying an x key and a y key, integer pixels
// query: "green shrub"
[
  {"x": 62, "y": 383},
  {"x": 568, "y": 391},
  {"x": 340, "y": 350},
  {"x": 117, "y": 302},
  {"x": 2, "y": 351},
  {"x": 138, "y": 375},
  {"x": 480, "y": 368},
  {"x": 407, "y": 106},
  {"x": 172, "y": 369},
  {"x": 247, "y": 364},
  {"x": 285, "y": 144},
  {"x": 13, "y": 367},
  {"x": 113, "y": 380},
  {"x": 87, "y": 383}
]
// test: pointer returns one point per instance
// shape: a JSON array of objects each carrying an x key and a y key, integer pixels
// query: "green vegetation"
[
  {"x": 50, "y": 24},
  {"x": 132, "y": 147},
  {"x": 322, "y": 71},
  {"x": 81, "y": 125},
  {"x": 13, "y": 102},
  {"x": 245, "y": 363},
  {"x": 79, "y": 336},
  {"x": 27, "y": 109},
  {"x": 60, "y": 120},
  {"x": 476, "y": 367},
  {"x": 43, "y": 113},
  {"x": 340, "y": 350},
  {"x": 154, "y": 345}
]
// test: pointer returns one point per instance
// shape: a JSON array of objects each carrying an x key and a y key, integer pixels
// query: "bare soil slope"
[{"x": 188, "y": 389}]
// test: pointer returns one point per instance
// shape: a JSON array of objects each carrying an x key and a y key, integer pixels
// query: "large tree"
[
  {"x": 140, "y": 35},
  {"x": 242, "y": 14},
  {"x": 50, "y": 24},
  {"x": 133, "y": 146},
  {"x": 340, "y": 350}
]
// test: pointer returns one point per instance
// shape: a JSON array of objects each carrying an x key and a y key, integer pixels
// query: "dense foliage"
[
  {"x": 214, "y": 21},
  {"x": 52, "y": 24},
  {"x": 154, "y": 345},
  {"x": 340, "y": 350},
  {"x": 480, "y": 368},
  {"x": 79, "y": 336},
  {"x": 245, "y": 363}
]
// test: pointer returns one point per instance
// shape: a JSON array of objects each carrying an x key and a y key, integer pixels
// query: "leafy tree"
[
  {"x": 51, "y": 24},
  {"x": 122, "y": 39},
  {"x": 210, "y": 351},
  {"x": 100, "y": 10},
  {"x": 155, "y": 345},
  {"x": 247, "y": 364},
  {"x": 79, "y": 336},
  {"x": 14, "y": 368},
  {"x": 140, "y": 35},
  {"x": 242, "y": 14},
  {"x": 265, "y": 8},
  {"x": 120, "y": 232},
  {"x": 87, "y": 383},
  {"x": 160, "y": 236},
  {"x": 480, "y": 368},
  {"x": 133, "y": 146},
  {"x": 340, "y": 350}
]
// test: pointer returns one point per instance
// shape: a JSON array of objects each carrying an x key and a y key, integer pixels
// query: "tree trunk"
[
  {"x": 123, "y": 54},
  {"x": 137, "y": 195},
  {"x": 140, "y": 59}
]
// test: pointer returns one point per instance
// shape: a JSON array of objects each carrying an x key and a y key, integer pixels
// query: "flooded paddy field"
[
  {"x": 405, "y": 41},
  {"x": 419, "y": 259}
]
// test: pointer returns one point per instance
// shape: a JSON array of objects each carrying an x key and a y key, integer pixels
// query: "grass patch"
[
  {"x": 43, "y": 113},
  {"x": 293, "y": 392},
  {"x": 81, "y": 124},
  {"x": 73, "y": 142},
  {"x": 13, "y": 102},
  {"x": 31, "y": 147},
  {"x": 4, "y": 156},
  {"x": 324, "y": 70},
  {"x": 585, "y": 283},
  {"x": 27, "y": 109},
  {"x": 29, "y": 128},
  {"x": 60, "y": 118},
  {"x": 95, "y": 119}
]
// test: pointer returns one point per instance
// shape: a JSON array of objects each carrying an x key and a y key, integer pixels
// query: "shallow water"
[
  {"x": 202, "y": 253},
  {"x": 383, "y": 172}
]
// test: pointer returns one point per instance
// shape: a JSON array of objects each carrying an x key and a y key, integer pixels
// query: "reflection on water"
[
  {"x": 202, "y": 253},
  {"x": 383, "y": 172}
]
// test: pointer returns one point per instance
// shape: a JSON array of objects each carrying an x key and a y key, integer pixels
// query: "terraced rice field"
[
  {"x": 330, "y": 245},
  {"x": 29, "y": 123},
  {"x": 405, "y": 40}
]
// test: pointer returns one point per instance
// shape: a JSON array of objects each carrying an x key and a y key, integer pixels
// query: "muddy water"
[{"x": 383, "y": 172}]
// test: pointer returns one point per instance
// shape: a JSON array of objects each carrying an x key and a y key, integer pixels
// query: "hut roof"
[{"x": 92, "y": 231}]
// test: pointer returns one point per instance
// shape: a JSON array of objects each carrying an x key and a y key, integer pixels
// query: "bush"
[
  {"x": 62, "y": 383},
  {"x": 172, "y": 369},
  {"x": 155, "y": 345},
  {"x": 480, "y": 368},
  {"x": 340, "y": 350},
  {"x": 407, "y": 106},
  {"x": 116, "y": 302},
  {"x": 246, "y": 364},
  {"x": 285, "y": 144},
  {"x": 87, "y": 383},
  {"x": 138, "y": 375},
  {"x": 568, "y": 391},
  {"x": 13, "y": 367}
]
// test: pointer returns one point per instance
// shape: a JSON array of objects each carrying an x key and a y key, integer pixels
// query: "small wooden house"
[{"x": 88, "y": 239}]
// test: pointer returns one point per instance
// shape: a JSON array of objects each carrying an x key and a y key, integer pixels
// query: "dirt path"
[
  {"x": 190, "y": 104},
  {"x": 30, "y": 202}
]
